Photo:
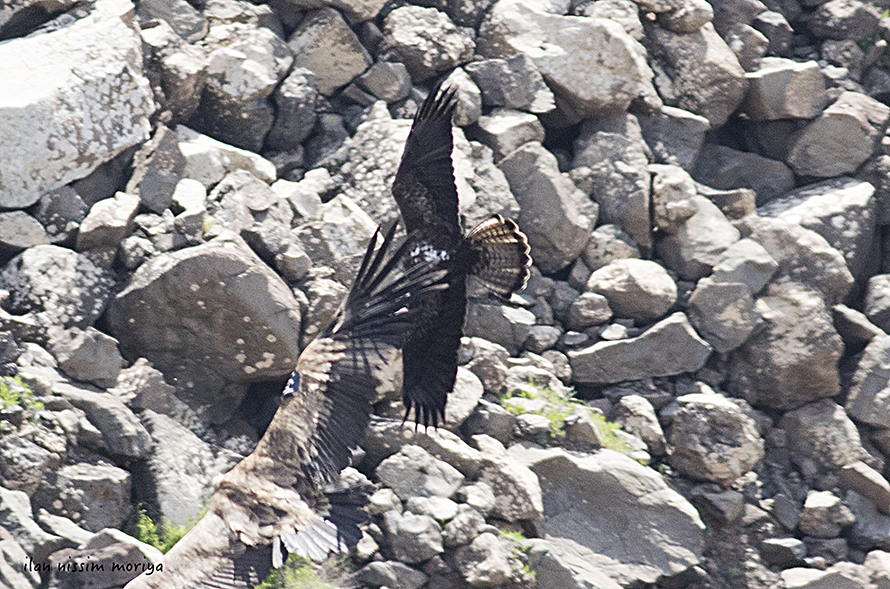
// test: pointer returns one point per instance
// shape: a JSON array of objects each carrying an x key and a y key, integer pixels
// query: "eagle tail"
[
  {"x": 337, "y": 531},
  {"x": 500, "y": 255}
]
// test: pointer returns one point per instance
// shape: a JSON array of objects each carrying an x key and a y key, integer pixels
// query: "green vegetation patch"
[
  {"x": 14, "y": 391},
  {"x": 557, "y": 406},
  {"x": 298, "y": 573},
  {"x": 165, "y": 536}
]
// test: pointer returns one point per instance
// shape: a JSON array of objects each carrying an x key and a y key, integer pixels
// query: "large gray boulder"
[
  {"x": 841, "y": 138},
  {"x": 803, "y": 256},
  {"x": 614, "y": 515},
  {"x": 792, "y": 361},
  {"x": 785, "y": 89},
  {"x": 610, "y": 165},
  {"x": 325, "y": 45},
  {"x": 669, "y": 347},
  {"x": 705, "y": 78},
  {"x": 245, "y": 64},
  {"x": 56, "y": 286},
  {"x": 121, "y": 430},
  {"x": 711, "y": 438},
  {"x": 95, "y": 496},
  {"x": 212, "y": 318},
  {"x": 89, "y": 71},
  {"x": 820, "y": 437},
  {"x": 425, "y": 40},
  {"x": 635, "y": 289},
  {"x": 841, "y": 210},
  {"x": 555, "y": 215},
  {"x": 592, "y": 64}
]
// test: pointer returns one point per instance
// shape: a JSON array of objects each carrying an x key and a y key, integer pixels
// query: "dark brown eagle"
[
  {"x": 496, "y": 252},
  {"x": 272, "y": 503}
]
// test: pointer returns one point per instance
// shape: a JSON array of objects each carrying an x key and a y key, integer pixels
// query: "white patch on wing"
[{"x": 429, "y": 253}]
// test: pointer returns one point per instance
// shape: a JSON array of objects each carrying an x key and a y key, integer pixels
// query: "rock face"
[
  {"x": 581, "y": 498},
  {"x": 108, "y": 92},
  {"x": 643, "y": 356},
  {"x": 592, "y": 63},
  {"x": 712, "y": 439},
  {"x": 234, "y": 320}
]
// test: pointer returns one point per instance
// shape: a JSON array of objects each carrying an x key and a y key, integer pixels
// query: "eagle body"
[{"x": 494, "y": 251}]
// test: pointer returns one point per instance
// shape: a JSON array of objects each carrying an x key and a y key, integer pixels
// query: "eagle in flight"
[
  {"x": 496, "y": 252},
  {"x": 274, "y": 502}
]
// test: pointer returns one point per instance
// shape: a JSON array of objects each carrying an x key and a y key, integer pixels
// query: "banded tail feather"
[{"x": 503, "y": 256}]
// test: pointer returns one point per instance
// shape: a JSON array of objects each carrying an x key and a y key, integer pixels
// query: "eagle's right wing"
[
  {"x": 338, "y": 372},
  {"x": 424, "y": 186}
]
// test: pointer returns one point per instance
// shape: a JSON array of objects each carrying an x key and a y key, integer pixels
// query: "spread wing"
[
  {"x": 273, "y": 501},
  {"x": 337, "y": 370},
  {"x": 424, "y": 185}
]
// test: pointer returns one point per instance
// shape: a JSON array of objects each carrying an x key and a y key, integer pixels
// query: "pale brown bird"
[
  {"x": 273, "y": 502},
  {"x": 496, "y": 252}
]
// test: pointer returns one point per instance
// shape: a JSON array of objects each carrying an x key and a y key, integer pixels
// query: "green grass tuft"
[
  {"x": 560, "y": 406},
  {"x": 297, "y": 572},
  {"x": 14, "y": 391},
  {"x": 165, "y": 536}
]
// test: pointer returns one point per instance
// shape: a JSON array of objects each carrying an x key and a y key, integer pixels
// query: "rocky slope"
[{"x": 185, "y": 188}]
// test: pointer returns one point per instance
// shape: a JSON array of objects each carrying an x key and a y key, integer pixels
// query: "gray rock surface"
[
  {"x": 841, "y": 138},
  {"x": 425, "y": 40},
  {"x": 513, "y": 83},
  {"x": 414, "y": 538},
  {"x": 706, "y": 76},
  {"x": 840, "y": 210},
  {"x": 634, "y": 289},
  {"x": 643, "y": 356},
  {"x": 18, "y": 521},
  {"x": 784, "y": 89},
  {"x": 711, "y": 438},
  {"x": 554, "y": 213},
  {"x": 325, "y": 45},
  {"x": 726, "y": 168},
  {"x": 109, "y": 93},
  {"x": 675, "y": 136},
  {"x": 176, "y": 479},
  {"x": 821, "y": 437},
  {"x": 583, "y": 497},
  {"x": 595, "y": 65},
  {"x": 56, "y": 286},
  {"x": 23, "y": 463},
  {"x": 95, "y": 496},
  {"x": 120, "y": 428},
  {"x": 413, "y": 472},
  {"x": 240, "y": 113},
  {"x": 723, "y": 313},
  {"x": 804, "y": 256},
  {"x": 610, "y": 165},
  {"x": 790, "y": 361},
  {"x": 746, "y": 262},
  {"x": 867, "y": 398},
  {"x": 221, "y": 285},
  {"x": 88, "y": 355}
]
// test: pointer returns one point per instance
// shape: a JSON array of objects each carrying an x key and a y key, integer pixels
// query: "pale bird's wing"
[{"x": 272, "y": 502}]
